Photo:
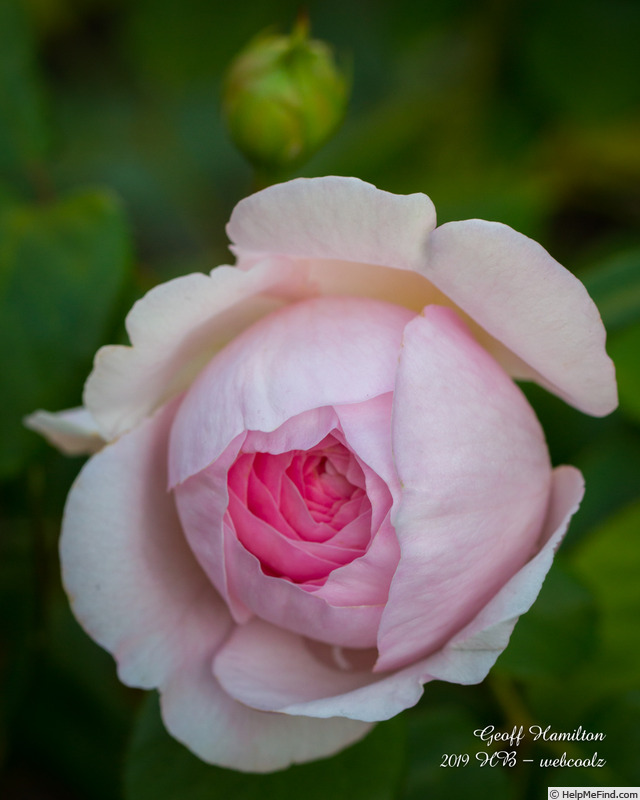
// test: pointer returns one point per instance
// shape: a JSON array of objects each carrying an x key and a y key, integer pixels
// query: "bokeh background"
[{"x": 116, "y": 173}]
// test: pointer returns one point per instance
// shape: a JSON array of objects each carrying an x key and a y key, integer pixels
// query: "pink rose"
[{"x": 321, "y": 487}]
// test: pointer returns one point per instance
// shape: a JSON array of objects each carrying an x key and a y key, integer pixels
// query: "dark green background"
[{"x": 116, "y": 173}]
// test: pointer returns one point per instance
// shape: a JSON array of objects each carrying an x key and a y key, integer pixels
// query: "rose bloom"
[{"x": 316, "y": 486}]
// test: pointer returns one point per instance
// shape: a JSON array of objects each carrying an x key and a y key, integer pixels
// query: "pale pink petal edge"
[
  {"x": 175, "y": 329},
  {"x": 510, "y": 286},
  {"x": 219, "y": 730},
  {"x": 74, "y": 431},
  {"x": 332, "y": 218},
  {"x": 552, "y": 332}
]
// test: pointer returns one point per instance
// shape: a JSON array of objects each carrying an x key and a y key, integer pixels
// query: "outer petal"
[
  {"x": 268, "y": 667},
  {"x": 288, "y": 678},
  {"x": 222, "y": 731},
  {"x": 273, "y": 669},
  {"x": 512, "y": 287},
  {"x": 133, "y": 582},
  {"x": 138, "y": 591},
  {"x": 333, "y": 218},
  {"x": 318, "y": 353},
  {"x": 174, "y": 330},
  {"x": 531, "y": 313},
  {"x": 475, "y": 471},
  {"x": 73, "y": 431},
  {"x": 470, "y": 654}
]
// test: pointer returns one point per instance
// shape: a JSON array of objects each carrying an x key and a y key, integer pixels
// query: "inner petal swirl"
[{"x": 301, "y": 513}]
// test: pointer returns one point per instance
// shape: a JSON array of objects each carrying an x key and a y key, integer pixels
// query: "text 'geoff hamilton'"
[{"x": 489, "y": 734}]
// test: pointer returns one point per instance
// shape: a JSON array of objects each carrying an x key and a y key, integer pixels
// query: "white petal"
[
  {"x": 200, "y": 713},
  {"x": 333, "y": 218},
  {"x": 175, "y": 329},
  {"x": 73, "y": 431},
  {"x": 510, "y": 286},
  {"x": 132, "y": 580}
]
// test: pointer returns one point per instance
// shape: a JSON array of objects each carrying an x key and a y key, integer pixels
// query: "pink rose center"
[{"x": 301, "y": 513}]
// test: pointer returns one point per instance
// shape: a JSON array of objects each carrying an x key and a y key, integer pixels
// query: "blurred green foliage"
[
  {"x": 112, "y": 144},
  {"x": 54, "y": 259},
  {"x": 23, "y": 132}
]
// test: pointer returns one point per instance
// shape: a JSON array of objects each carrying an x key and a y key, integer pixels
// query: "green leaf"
[
  {"x": 159, "y": 768},
  {"x": 22, "y": 128},
  {"x": 615, "y": 287},
  {"x": 556, "y": 635},
  {"x": 62, "y": 268},
  {"x": 609, "y": 563}
]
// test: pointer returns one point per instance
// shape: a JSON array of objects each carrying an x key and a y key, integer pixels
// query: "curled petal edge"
[{"x": 73, "y": 431}]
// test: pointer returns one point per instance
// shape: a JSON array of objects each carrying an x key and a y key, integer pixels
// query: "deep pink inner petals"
[
  {"x": 278, "y": 554},
  {"x": 261, "y": 502},
  {"x": 301, "y": 513},
  {"x": 239, "y": 475},
  {"x": 295, "y": 510}
]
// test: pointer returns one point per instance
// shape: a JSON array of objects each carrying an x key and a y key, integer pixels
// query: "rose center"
[{"x": 301, "y": 513}]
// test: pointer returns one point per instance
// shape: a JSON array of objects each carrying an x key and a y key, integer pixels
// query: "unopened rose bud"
[{"x": 283, "y": 97}]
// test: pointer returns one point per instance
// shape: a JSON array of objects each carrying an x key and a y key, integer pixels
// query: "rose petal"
[
  {"x": 202, "y": 501},
  {"x": 138, "y": 591},
  {"x": 475, "y": 472},
  {"x": 299, "y": 561},
  {"x": 274, "y": 670},
  {"x": 133, "y": 582},
  {"x": 289, "y": 679},
  {"x": 366, "y": 580},
  {"x": 471, "y": 653},
  {"x": 295, "y": 433},
  {"x": 174, "y": 330},
  {"x": 516, "y": 291},
  {"x": 295, "y": 512},
  {"x": 265, "y": 667},
  {"x": 333, "y": 218},
  {"x": 282, "y": 366},
  {"x": 291, "y": 607},
  {"x": 366, "y": 428},
  {"x": 74, "y": 431},
  {"x": 350, "y": 238},
  {"x": 221, "y": 731},
  {"x": 267, "y": 494}
]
